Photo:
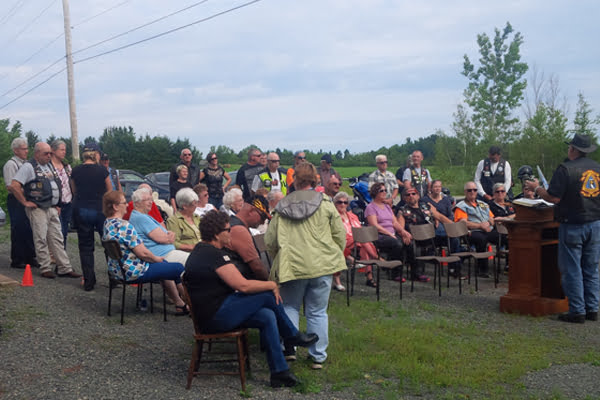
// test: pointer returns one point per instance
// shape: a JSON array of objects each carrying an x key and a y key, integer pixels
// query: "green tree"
[
  {"x": 466, "y": 133},
  {"x": 496, "y": 86},
  {"x": 584, "y": 123}
]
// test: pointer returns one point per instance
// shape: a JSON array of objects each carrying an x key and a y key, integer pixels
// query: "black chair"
[
  {"x": 368, "y": 234},
  {"x": 261, "y": 247},
  {"x": 500, "y": 252},
  {"x": 459, "y": 230},
  {"x": 238, "y": 336},
  {"x": 425, "y": 236},
  {"x": 112, "y": 250}
]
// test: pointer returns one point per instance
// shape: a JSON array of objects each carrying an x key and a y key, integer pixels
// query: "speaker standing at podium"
[{"x": 575, "y": 189}]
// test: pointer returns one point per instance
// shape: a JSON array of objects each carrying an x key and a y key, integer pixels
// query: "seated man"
[
  {"x": 154, "y": 236},
  {"x": 480, "y": 222},
  {"x": 251, "y": 215},
  {"x": 418, "y": 212}
]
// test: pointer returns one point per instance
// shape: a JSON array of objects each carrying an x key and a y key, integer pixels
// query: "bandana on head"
[{"x": 261, "y": 205}]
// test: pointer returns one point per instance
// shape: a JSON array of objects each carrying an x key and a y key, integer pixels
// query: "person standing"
[
  {"x": 22, "y": 250},
  {"x": 306, "y": 238},
  {"x": 273, "y": 177},
  {"x": 247, "y": 172},
  {"x": 575, "y": 189},
  {"x": 299, "y": 158},
  {"x": 416, "y": 176},
  {"x": 112, "y": 173},
  {"x": 490, "y": 171},
  {"x": 193, "y": 170},
  {"x": 212, "y": 176},
  {"x": 37, "y": 187},
  {"x": 90, "y": 181},
  {"x": 63, "y": 169},
  {"x": 326, "y": 171},
  {"x": 381, "y": 174}
]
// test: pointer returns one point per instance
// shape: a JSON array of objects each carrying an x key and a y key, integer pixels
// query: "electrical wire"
[
  {"x": 32, "y": 89},
  {"x": 12, "y": 11},
  {"x": 167, "y": 32},
  {"x": 31, "y": 22},
  {"x": 31, "y": 77},
  {"x": 101, "y": 13},
  {"x": 139, "y": 27}
]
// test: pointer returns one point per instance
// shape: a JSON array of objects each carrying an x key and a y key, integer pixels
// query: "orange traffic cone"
[
  {"x": 490, "y": 250},
  {"x": 27, "y": 277},
  {"x": 444, "y": 264}
]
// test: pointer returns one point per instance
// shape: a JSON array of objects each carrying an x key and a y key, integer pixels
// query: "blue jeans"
[
  {"x": 258, "y": 310},
  {"x": 578, "y": 257},
  {"x": 66, "y": 212},
  {"x": 88, "y": 221},
  {"x": 162, "y": 270},
  {"x": 314, "y": 293},
  {"x": 216, "y": 201}
]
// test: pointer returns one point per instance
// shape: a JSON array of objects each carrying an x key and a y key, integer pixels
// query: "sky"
[{"x": 313, "y": 74}]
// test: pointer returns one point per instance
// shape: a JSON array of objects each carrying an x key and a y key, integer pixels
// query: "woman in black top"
[
  {"x": 89, "y": 182},
  {"x": 223, "y": 300},
  {"x": 181, "y": 182},
  {"x": 212, "y": 176}
]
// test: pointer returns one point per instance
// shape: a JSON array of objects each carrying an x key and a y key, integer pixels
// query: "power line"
[
  {"x": 31, "y": 77},
  {"x": 31, "y": 22},
  {"x": 32, "y": 89},
  {"x": 168, "y": 32},
  {"x": 139, "y": 27},
  {"x": 12, "y": 11},
  {"x": 101, "y": 13}
]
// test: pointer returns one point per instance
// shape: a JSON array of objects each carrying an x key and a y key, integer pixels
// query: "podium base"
[{"x": 533, "y": 305}]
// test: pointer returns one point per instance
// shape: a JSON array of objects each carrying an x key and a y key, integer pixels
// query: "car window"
[
  {"x": 125, "y": 176},
  {"x": 162, "y": 178}
]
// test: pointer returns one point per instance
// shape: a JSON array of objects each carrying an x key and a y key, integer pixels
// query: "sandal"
[
  {"x": 371, "y": 283},
  {"x": 182, "y": 310}
]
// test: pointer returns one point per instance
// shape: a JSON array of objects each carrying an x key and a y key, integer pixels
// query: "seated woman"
[
  {"x": 155, "y": 237},
  {"x": 392, "y": 236},
  {"x": 185, "y": 222},
  {"x": 502, "y": 210},
  {"x": 366, "y": 250},
  {"x": 233, "y": 200},
  {"x": 223, "y": 300},
  {"x": 203, "y": 205},
  {"x": 139, "y": 262}
]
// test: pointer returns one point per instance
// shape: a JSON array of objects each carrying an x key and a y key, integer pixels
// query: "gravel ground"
[{"x": 58, "y": 343}]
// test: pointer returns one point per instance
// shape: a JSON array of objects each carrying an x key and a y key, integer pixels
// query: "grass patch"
[{"x": 384, "y": 350}]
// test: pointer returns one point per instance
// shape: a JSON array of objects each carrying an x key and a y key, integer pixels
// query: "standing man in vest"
[
  {"x": 272, "y": 178},
  {"x": 490, "y": 171},
  {"x": 112, "y": 173},
  {"x": 247, "y": 172},
  {"x": 22, "y": 251},
  {"x": 416, "y": 176},
  {"x": 575, "y": 189},
  {"x": 37, "y": 186}
]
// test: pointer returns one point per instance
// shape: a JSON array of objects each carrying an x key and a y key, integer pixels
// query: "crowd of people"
[{"x": 208, "y": 242}]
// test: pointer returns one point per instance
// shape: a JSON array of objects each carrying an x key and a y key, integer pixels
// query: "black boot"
[{"x": 284, "y": 378}]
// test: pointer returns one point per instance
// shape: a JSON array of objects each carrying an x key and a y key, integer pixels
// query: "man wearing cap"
[
  {"x": 112, "y": 173},
  {"x": 381, "y": 174},
  {"x": 325, "y": 171},
  {"x": 490, "y": 171},
  {"x": 575, "y": 189},
  {"x": 193, "y": 169},
  {"x": 273, "y": 177},
  {"x": 36, "y": 185},
  {"x": 247, "y": 172},
  {"x": 253, "y": 213}
]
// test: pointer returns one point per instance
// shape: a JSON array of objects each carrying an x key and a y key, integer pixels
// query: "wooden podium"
[{"x": 533, "y": 277}]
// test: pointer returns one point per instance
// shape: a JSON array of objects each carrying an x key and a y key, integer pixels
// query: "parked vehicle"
[
  {"x": 159, "y": 179},
  {"x": 130, "y": 180}
]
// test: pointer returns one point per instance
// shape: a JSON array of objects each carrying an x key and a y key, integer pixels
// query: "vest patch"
[{"x": 590, "y": 186}]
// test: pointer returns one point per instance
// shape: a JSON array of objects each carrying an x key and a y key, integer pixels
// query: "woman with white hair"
[
  {"x": 233, "y": 201},
  {"x": 184, "y": 223}
]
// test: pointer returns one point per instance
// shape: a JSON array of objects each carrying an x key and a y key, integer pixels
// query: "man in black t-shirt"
[{"x": 247, "y": 172}]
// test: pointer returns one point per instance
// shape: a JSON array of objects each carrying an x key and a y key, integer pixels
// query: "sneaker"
[
  {"x": 399, "y": 278},
  {"x": 423, "y": 278},
  {"x": 284, "y": 378},
  {"x": 289, "y": 353},
  {"x": 316, "y": 365},
  {"x": 339, "y": 288}
]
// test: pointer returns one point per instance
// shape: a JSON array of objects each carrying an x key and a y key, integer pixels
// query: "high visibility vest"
[{"x": 265, "y": 178}]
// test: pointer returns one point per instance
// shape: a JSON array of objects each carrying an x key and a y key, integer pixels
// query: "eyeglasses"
[
  {"x": 47, "y": 153},
  {"x": 382, "y": 191},
  {"x": 381, "y": 162},
  {"x": 214, "y": 158},
  {"x": 301, "y": 158},
  {"x": 470, "y": 190},
  {"x": 336, "y": 183},
  {"x": 500, "y": 191},
  {"x": 228, "y": 229},
  {"x": 341, "y": 202},
  {"x": 412, "y": 194},
  {"x": 186, "y": 154},
  {"x": 274, "y": 160},
  {"x": 122, "y": 202}
]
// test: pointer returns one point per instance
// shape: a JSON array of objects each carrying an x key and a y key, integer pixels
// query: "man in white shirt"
[{"x": 490, "y": 171}]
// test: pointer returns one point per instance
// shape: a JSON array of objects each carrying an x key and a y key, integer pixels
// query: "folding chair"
[
  {"x": 238, "y": 336},
  {"x": 368, "y": 234},
  {"x": 459, "y": 230},
  {"x": 261, "y": 247},
  {"x": 112, "y": 250},
  {"x": 425, "y": 234},
  {"x": 500, "y": 252}
]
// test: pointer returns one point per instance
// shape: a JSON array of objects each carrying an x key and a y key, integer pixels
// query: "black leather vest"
[
  {"x": 39, "y": 190},
  {"x": 488, "y": 180},
  {"x": 581, "y": 200}
]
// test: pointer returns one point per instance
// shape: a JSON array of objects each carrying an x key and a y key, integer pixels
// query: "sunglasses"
[
  {"x": 301, "y": 158},
  {"x": 47, "y": 153},
  {"x": 214, "y": 158},
  {"x": 274, "y": 160},
  {"x": 382, "y": 162},
  {"x": 470, "y": 190},
  {"x": 500, "y": 191},
  {"x": 412, "y": 194},
  {"x": 226, "y": 230},
  {"x": 382, "y": 191},
  {"x": 187, "y": 154},
  {"x": 341, "y": 202},
  {"x": 336, "y": 183}
]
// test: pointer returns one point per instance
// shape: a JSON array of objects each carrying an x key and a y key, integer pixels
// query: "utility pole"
[{"x": 70, "y": 83}]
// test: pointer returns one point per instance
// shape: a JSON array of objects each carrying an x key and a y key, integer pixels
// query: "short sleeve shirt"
[
  {"x": 385, "y": 216},
  {"x": 207, "y": 290},
  {"x": 387, "y": 178},
  {"x": 124, "y": 233},
  {"x": 144, "y": 224}
]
